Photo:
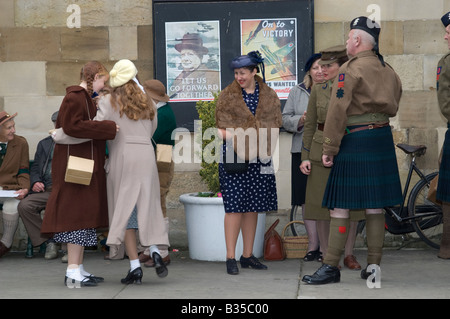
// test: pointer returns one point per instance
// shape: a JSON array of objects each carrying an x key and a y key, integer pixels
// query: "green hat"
[{"x": 333, "y": 54}]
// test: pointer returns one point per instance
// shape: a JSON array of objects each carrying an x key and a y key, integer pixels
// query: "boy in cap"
[{"x": 358, "y": 145}]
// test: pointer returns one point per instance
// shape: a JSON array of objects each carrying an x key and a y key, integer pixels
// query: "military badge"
[
  {"x": 341, "y": 79},
  {"x": 340, "y": 93}
]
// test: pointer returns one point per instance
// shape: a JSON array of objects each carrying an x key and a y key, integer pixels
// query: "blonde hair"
[
  {"x": 88, "y": 72},
  {"x": 131, "y": 101},
  {"x": 307, "y": 80}
]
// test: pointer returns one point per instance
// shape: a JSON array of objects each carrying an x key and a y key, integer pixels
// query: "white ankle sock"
[
  {"x": 154, "y": 249},
  {"x": 74, "y": 273},
  {"x": 134, "y": 264},
  {"x": 84, "y": 272}
]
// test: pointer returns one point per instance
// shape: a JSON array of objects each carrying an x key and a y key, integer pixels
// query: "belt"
[
  {"x": 365, "y": 127},
  {"x": 320, "y": 126}
]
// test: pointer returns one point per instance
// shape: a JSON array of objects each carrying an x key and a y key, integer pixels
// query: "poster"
[
  {"x": 193, "y": 60},
  {"x": 276, "y": 40}
]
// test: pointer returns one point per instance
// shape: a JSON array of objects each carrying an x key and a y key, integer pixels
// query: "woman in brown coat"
[
  {"x": 74, "y": 211},
  {"x": 132, "y": 176}
]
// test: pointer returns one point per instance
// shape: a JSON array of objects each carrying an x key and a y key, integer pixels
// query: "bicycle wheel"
[
  {"x": 296, "y": 214},
  {"x": 427, "y": 215}
]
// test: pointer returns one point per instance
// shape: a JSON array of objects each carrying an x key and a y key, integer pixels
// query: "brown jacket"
[
  {"x": 14, "y": 171},
  {"x": 364, "y": 89},
  {"x": 232, "y": 112},
  {"x": 73, "y": 206},
  {"x": 443, "y": 85}
]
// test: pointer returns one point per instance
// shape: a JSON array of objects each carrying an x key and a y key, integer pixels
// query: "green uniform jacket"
[{"x": 316, "y": 113}]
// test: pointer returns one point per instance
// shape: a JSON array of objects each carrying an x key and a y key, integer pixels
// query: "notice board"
[{"x": 194, "y": 42}]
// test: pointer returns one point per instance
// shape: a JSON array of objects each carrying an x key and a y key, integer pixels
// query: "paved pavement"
[{"x": 406, "y": 274}]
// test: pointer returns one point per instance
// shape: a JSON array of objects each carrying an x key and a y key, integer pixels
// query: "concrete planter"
[{"x": 205, "y": 229}]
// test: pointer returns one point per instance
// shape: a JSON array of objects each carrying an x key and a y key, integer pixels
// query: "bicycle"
[{"x": 420, "y": 215}]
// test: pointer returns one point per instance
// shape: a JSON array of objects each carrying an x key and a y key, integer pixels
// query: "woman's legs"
[
  {"x": 232, "y": 226},
  {"x": 234, "y": 223}
]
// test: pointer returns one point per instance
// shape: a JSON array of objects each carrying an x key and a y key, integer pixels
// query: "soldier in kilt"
[{"x": 359, "y": 148}]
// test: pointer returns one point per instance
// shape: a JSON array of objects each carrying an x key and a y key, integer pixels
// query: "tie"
[
  {"x": 2, "y": 152},
  {"x": 2, "y": 148}
]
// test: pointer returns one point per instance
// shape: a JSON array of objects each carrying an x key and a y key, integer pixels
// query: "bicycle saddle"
[{"x": 409, "y": 149}]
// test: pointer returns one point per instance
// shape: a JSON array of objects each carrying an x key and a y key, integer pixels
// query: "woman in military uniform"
[{"x": 332, "y": 59}]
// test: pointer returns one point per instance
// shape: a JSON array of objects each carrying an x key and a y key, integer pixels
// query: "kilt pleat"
[
  {"x": 443, "y": 187},
  {"x": 365, "y": 172}
]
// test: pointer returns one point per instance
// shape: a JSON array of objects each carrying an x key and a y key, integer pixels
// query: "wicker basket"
[{"x": 295, "y": 246}]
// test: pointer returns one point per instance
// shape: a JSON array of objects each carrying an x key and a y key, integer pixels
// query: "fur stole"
[{"x": 259, "y": 131}]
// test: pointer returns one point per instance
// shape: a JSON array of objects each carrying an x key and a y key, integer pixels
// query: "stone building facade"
[{"x": 44, "y": 43}]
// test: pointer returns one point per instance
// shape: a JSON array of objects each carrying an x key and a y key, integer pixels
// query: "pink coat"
[{"x": 132, "y": 178}]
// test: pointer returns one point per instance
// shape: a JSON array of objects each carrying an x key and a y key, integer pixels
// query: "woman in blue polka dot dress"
[{"x": 247, "y": 106}]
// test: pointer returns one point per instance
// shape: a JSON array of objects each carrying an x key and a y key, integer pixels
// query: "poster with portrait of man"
[
  {"x": 193, "y": 60},
  {"x": 276, "y": 40}
]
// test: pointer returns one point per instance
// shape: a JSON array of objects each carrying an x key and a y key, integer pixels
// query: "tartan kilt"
[
  {"x": 365, "y": 172},
  {"x": 443, "y": 187}
]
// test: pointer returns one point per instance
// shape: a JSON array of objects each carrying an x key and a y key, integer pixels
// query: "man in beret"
[
  {"x": 359, "y": 148},
  {"x": 14, "y": 176},
  {"x": 443, "y": 95}
]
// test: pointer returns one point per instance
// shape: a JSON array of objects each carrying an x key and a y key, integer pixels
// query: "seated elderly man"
[
  {"x": 30, "y": 207},
  {"x": 14, "y": 177}
]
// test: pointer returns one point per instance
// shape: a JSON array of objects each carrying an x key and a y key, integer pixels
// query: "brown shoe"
[
  {"x": 351, "y": 263},
  {"x": 150, "y": 263},
  {"x": 3, "y": 249},
  {"x": 144, "y": 258}
]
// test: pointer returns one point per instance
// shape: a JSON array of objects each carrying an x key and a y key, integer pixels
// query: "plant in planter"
[
  {"x": 210, "y": 146},
  {"x": 204, "y": 211}
]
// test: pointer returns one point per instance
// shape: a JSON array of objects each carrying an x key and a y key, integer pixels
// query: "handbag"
[
  {"x": 163, "y": 156},
  {"x": 433, "y": 190},
  {"x": 234, "y": 167},
  {"x": 79, "y": 170},
  {"x": 273, "y": 245}
]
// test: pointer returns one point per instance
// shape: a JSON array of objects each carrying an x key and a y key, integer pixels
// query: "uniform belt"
[
  {"x": 366, "y": 127},
  {"x": 320, "y": 126}
]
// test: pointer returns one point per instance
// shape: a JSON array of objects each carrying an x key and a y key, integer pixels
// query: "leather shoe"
[
  {"x": 51, "y": 250},
  {"x": 144, "y": 258},
  {"x": 3, "y": 249},
  {"x": 160, "y": 267},
  {"x": 232, "y": 268},
  {"x": 150, "y": 263},
  {"x": 324, "y": 275},
  {"x": 351, "y": 263}
]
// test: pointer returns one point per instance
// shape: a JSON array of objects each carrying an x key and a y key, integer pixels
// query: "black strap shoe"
[
  {"x": 324, "y": 275},
  {"x": 160, "y": 266}
]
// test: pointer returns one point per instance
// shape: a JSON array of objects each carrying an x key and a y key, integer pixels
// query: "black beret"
[
  {"x": 446, "y": 19},
  {"x": 370, "y": 26},
  {"x": 311, "y": 61}
]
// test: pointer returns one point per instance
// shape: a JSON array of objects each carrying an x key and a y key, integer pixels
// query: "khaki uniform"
[
  {"x": 443, "y": 85},
  {"x": 365, "y": 92},
  {"x": 312, "y": 150}
]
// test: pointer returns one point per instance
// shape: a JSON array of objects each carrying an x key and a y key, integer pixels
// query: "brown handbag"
[{"x": 273, "y": 245}]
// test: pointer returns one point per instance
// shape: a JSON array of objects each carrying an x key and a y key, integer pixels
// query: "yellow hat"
[{"x": 122, "y": 72}]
